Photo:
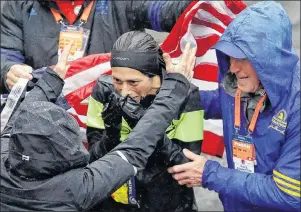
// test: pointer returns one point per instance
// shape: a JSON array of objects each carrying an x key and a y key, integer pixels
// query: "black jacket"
[
  {"x": 29, "y": 33},
  {"x": 44, "y": 165},
  {"x": 156, "y": 190}
]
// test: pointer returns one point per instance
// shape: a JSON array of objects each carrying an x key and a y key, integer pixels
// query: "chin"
[
  {"x": 250, "y": 90},
  {"x": 246, "y": 89}
]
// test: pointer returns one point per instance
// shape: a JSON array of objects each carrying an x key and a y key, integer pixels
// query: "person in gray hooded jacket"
[{"x": 44, "y": 165}]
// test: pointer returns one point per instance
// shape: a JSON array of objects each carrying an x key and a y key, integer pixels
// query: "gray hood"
[{"x": 45, "y": 141}]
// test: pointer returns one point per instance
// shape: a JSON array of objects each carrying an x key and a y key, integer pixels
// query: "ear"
[{"x": 156, "y": 82}]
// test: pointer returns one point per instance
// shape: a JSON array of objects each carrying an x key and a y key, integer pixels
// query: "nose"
[
  {"x": 125, "y": 90},
  {"x": 234, "y": 65}
]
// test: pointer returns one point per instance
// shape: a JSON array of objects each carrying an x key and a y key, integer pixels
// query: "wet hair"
[
  {"x": 139, "y": 41},
  {"x": 136, "y": 40}
]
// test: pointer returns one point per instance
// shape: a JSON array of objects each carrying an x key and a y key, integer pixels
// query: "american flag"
[{"x": 202, "y": 23}]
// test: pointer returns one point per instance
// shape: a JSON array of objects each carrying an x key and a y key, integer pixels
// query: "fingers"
[
  {"x": 185, "y": 182},
  {"x": 62, "y": 66},
  {"x": 186, "y": 65},
  {"x": 25, "y": 75},
  {"x": 66, "y": 52},
  {"x": 27, "y": 69},
  {"x": 191, "y": 182},
  {"x": 191, "y": 61},
  {"x": 182, "y": 176},
  {"x": 188, "y": 178},
  {"x": 185, "y": 56},
  {"x": 12, "y": 77},
  {"x": 190, "y": 155},
  {"x": 10, "y": 83},
  {"x": 188, "y": 61},
  {"x": 191, "y": 58},
  {"x": 193, "y": 65},
  {"x": 22, "y": 71},
  {"x": 193, "y": 185},
  {"x": 18, "y": 71},
  {"x": 181, "y": 168},
  {"x": 168, "y": 62},
  {"x": 67, "y": 67}
]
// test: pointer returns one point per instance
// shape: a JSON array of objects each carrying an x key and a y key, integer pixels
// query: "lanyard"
[
  {"x": 237, "y": 111},
  {"x": 83, "y": 19}
]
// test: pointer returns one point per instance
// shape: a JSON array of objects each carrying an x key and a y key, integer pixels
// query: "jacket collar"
[{"x": 52, "y": 3}]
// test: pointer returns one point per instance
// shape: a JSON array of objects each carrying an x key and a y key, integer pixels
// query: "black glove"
[
  {"x": 131, "y": 110},
  {"x": 112, "y": 117},
  {"x": 171, "y": 152}
]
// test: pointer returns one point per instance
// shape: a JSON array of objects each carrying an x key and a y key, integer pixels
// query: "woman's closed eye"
[
  {"x": 133, "y": 83},
  {"x": 117, "y": 81}
]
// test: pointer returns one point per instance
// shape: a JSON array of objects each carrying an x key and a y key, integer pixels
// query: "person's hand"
[
  {"x": 112, "y": 115},
  {"x": 112, "y": 118},
  {"x": 62, "y": 66},
  {"x": 132, "y": 111},
  {"x": 18, "y": 71},
  {"x": 186, "y": 64},
  {"x": 189, "y": 174}
]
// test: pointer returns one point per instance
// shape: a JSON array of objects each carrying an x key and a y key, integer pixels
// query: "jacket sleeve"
[
  {"x": 280, "y": 190},
  {"x": 211, "y": 104},
  {"x": 99, "y": 143},
  {"x": 96, "y": 143},
  {"x": 95, "y": 130},
  {"x": 194, "y": 146},
  {"x": 12, "y": 51},
  {"x": 99, "y": 180},
  {"x": 102, "y": 177},
  {"x": 157, "y": 15},
  {"x": 95, "y": 124},
  {"x": 48, "y": 88},
  {"x": 188, "y": 130}
]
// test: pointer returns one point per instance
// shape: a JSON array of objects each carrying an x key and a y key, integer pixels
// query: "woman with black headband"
[{"x": 138, "y": 68}]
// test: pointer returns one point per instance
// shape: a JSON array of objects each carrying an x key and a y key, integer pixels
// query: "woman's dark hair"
[{"x": 139, "y": 41}]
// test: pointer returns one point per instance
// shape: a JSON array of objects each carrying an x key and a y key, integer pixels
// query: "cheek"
[
  {"x": 142, "y": 89},
  {"x": 250, "y": 84},
  {"x": 251, "y": 72},
  {"x": 255, "y": 80},
  {"x": 117, "y": 87}
]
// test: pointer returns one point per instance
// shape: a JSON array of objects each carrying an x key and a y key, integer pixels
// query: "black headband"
[{"x": 145, "y": 62}]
